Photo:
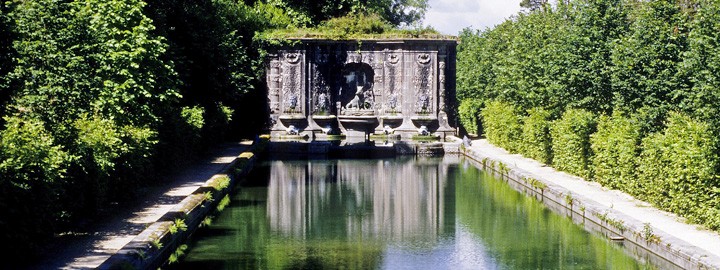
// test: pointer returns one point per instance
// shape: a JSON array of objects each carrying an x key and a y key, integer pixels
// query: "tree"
[
  {"x": 701, "y": 65},
  {"x": 218, "y": 65},
  {"x": 6, "y": 57},
  {"x": 533, "y": 5},
  {"x": 396, "y": 12},
  {"x": 646, "y": 60},
  {"x": 89, "y": 57},
  {"x": 595, "y": 24}
]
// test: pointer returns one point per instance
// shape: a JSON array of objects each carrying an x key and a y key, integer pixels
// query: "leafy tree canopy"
[{"x": 395, "y": 12}]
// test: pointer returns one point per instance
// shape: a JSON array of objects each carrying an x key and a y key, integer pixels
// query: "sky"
[{"x": 451, "y": 16}]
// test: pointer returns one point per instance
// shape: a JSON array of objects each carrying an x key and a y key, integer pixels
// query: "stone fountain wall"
[{"x": 320, "y": 88}]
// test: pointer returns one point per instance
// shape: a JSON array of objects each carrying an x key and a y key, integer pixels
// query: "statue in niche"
[
  {"x": 423, "y": 103},
  {"x": 357, "y": 92},
  {"x": 323, "y": 103},
  {"x": 292, "y": 103},
  {"x": 363, "y": 100},
  {"x": 393, "y": 103}
]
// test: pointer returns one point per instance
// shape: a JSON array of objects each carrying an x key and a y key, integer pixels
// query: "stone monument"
[{"x": 398, "y": 87}]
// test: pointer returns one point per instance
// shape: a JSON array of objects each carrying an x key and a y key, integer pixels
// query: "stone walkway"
[
  {"x": 89, "y": 249},
  {"x": 700, "y": 242}
]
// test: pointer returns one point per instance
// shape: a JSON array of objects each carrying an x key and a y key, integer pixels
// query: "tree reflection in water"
[{"x": 405, "y": 213}]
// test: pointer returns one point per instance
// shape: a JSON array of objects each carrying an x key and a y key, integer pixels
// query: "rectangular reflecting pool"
[{"x": 402, "y": 213}]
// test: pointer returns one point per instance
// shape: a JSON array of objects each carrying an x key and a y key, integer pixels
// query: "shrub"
[
  {"x": 136, "y": 165},
  {"x": 536, "y": 141},
  {"x": 469, "y": 112},
  {"x": 193, "y": 116},
  {"x": 678, "y": 169},
  {"x": 28, "y": 154},
  {"x": 32, "y": 171},
  {"x": 615, "y": 148},
  {"x": 571, "y": 142},
  {"x": 100, "y": 140},
  {"x": 217, "y": 122},
  {"x": 501, "y": 124}
]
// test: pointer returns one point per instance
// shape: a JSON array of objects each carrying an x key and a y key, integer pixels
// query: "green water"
[{"x": 409, "y": 213}]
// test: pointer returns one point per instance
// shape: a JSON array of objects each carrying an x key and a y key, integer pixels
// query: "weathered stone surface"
[{"x": 356, "y": 88}]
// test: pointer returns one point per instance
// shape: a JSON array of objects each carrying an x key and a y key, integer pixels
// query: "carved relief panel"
[
  {"x": 393, "y": 79},
  {"x": 422, "y": 83},
  {"x": 292, "y": 83}
]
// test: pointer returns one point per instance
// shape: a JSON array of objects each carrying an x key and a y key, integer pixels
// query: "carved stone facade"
[{"x": 324, "y": 87}]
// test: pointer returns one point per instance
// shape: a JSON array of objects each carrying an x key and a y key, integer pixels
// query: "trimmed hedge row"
[
  {"x": 469, "y": 114},
  {"x": 571, "y": 142},
  {"x": 616, "y": 146},
  {"x": 536, "y": 141},
  {"x": 502, "y": 125},
  {"x": 678, "y": 170},
  {"x": 675, "y": 169}
]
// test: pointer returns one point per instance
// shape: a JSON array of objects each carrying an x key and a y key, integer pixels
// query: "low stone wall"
[
  {"x": 338, "y": 149},
  {"x": 666, "y": 251},
  {"x": 153, "y": 246}
]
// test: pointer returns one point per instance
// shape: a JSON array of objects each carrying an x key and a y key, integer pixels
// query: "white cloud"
[{"x": 451, "y": 16}]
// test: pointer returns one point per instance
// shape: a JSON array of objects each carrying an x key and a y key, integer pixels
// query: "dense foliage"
[
  {"x": 678, "y": 170},
  {"x": 353, "y": 27},
  {"x": 536, "y": 140},
  {"x": 98, "y": 97},
  {"x": 630, "y": 91},
  {"x": 469, "y": 114},
  {"x": 571, "y": 141},
  {"x": 396, "y": 12},
  {"x": 616, "y": 146},
  {"x": 501, "y": 124}
]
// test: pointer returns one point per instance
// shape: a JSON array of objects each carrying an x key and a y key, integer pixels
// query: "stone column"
[
  {"x": 274, "y": 79},
  {"x": 444, "y": 125}
]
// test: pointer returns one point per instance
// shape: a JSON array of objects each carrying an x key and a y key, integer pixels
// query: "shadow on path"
[{"x": 89, "y": 249}]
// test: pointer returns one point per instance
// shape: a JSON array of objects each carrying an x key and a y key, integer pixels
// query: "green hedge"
[
  {"x": 502, "y": 125},
  {"x": 571, "y": 142},
  {"x": 536, "y": 141},
  {"x": 615, "y": 147},
  {"x": 469, "y": 112},
  {"x": 32, "y": 168},
  {"x": 678, "y": 170},
  {"x": 645, "y": 58}
]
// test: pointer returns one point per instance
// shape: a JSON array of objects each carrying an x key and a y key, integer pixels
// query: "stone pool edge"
[
  {"x": 608, "y": 221},
  {"x": 153, "y": 246}
]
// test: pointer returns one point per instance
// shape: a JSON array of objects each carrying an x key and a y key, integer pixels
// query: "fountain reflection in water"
[
  {"x": 404, "y": 213},
  {"x": 403, "y": 202}
]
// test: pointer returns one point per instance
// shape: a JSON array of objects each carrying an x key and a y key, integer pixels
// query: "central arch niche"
[{"x": 356, "y": 93}]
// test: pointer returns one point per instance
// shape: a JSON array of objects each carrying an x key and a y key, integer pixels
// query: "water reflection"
[
  {"x": 400, "y": 201},
  {"x": 392, "y": 214}
]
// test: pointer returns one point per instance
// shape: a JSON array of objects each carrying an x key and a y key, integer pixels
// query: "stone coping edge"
[
  {"x": 324, "y": 149},
  {"x": 154, "y": 245},
  {"x": 609, "y": 222}
]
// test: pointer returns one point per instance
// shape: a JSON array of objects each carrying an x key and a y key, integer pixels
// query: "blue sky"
[{"x": 451, "y": 16}]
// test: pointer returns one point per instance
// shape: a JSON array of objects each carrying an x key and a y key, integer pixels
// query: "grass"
[{"x": 353, "y": 27}]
